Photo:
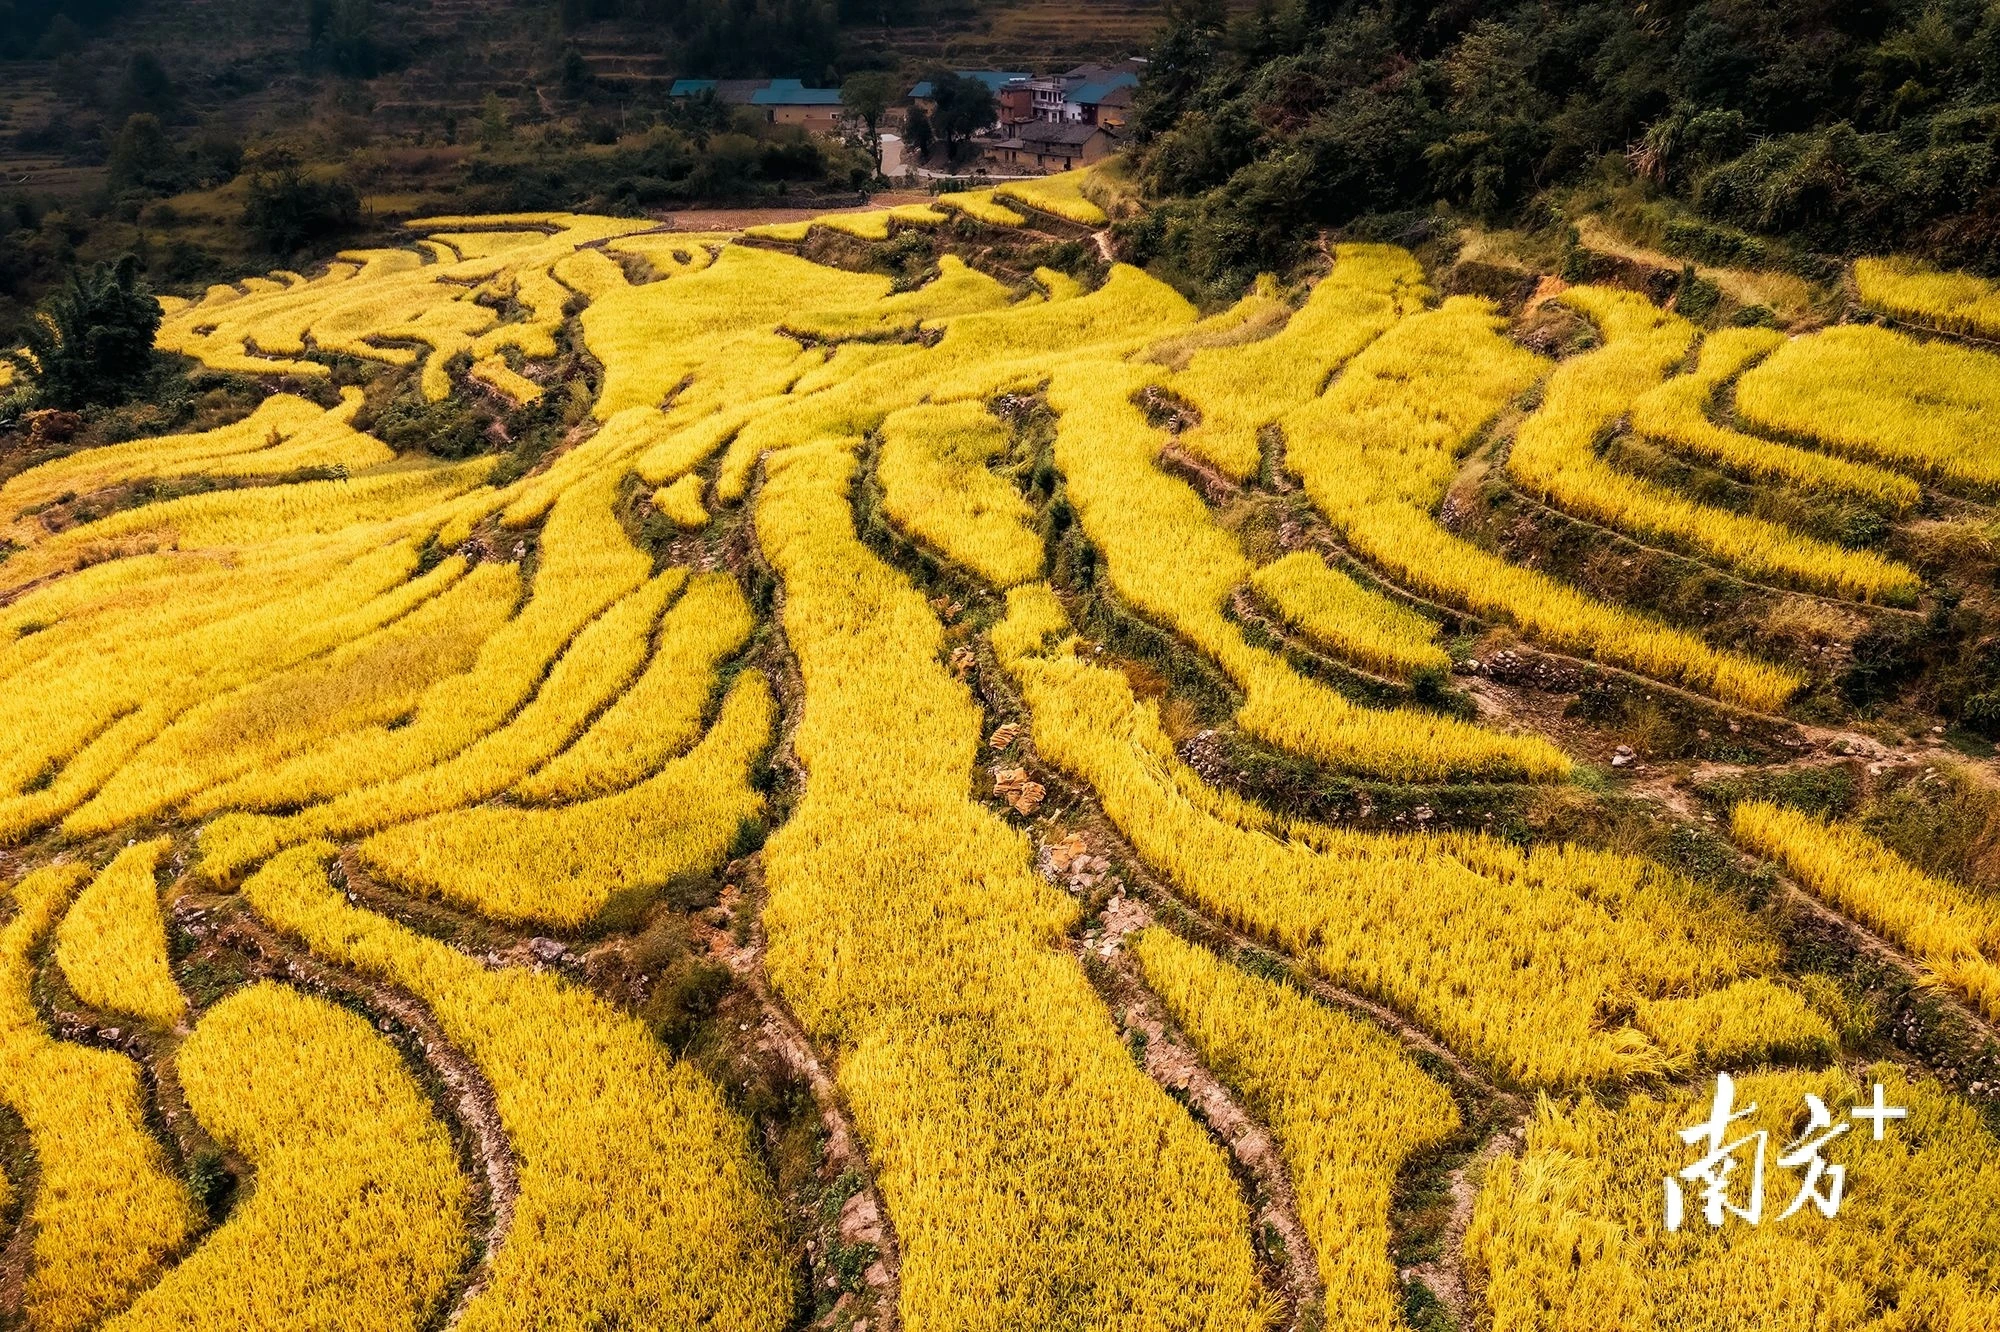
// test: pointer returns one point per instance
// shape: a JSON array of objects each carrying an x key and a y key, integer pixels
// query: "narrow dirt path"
[
  {"x": 471, "y": 1100},
  {"x": 1178, "y": 1068},
  {"x": 864, "y": 1218},
  {"x": 1712, "y": 566},
  {"x": 20, "y": 1240},
  {"x": 1874, "y": 946},
  {"x": 1447, "y": 1275},
  {"x": 1255, "y": 1151}
]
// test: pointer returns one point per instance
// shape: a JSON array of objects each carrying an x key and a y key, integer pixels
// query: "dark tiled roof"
[{"x": 1037, "y": 133}]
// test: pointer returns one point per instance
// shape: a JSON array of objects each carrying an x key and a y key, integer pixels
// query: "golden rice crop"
[
  {"x": 1676, "y": 413},
  {"x": 1391, "y": 427},
  {"x": 651, "y": 338},
  {"x": 1506, "y": 954},
  {"x": 1858, "y": 389},
  {"x": 594, "y": 670},
  {"x": 485, "y": 244},
  {"x": 591, "y": 273},
  {"x": 374, "y": 680},
  {"x": 634, "y": 431},
  {"x": 587, "y": 563},
  {"x": 1061, "y": 195},
  {"x": 674, "y": 253},
  {"x": 543, "y": 300},
  {"x": 112, "y": 944},
  {"x": 640, "y": 1201},
  {"x": 1570, "y": 1236},
  {"x": 147, "y": 689},
  {"x": 564, "y": 228},
  {"x": 327, "y": 443},
  {"x": 1036, "y": 1177},
  {"x": 383, "y": 301},
  {"x": 680, "y": 502},
  {"x": 358, "y": 1218},
  {"x": 296, "y": 658},
  {"x": 937, "y": 486},
  {"x": 958, "y": 289},
  {"x": 1259, "y": 313},
  {"x": 563, "y": 866},
  {"x": 1555, "y": 458},
  {"x": 871, "y": 225},
  {"x": 1429, "y": 558},
  {"x": 846, "y": 359},
  {"x": 980, "y": 355},
  {"x": 981, "y": 206},
  {"x": 495, "y": 373},
  {"x": 276, "y": 418},
  {"x": 1239, "y": 389},
  {"x": 678, "y": 451},
  {"x": 1953, "y": 932},
  {"x": 1167, "y": 555},
  {"x": 660, "y": 715},
  {"x": 94, "y": 714},
  {"x": 789, "y": 232},
  {"x": 256, "y": 515},
  {"x": 1378, "y": 452},
  {"x": 1910, "y": 289},
  {"x": 1346, "y": 1105},
  {"x": 107, "y": 1213},
  {"x": 1347, "y": 619},
  {"x": 1058, "y": 286},
  {"x": 1733, "y": 1025},
  {"x": 161, "y": 594}
]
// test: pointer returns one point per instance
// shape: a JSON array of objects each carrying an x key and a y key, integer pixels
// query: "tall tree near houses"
[{"x": 867, "y": 95}]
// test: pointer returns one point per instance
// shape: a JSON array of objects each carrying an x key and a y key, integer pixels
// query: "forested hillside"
[{"x": 1834, "y": 127}]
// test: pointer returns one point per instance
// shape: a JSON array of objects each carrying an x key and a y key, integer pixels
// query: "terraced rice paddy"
[{"x": 709, "y": 872}]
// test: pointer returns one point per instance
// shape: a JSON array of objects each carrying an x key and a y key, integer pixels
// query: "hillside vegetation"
[{"x": 1781, "y": 133}]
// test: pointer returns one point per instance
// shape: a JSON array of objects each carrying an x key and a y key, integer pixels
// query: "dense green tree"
[
  {"x": 965, "y": 105},
  {"x": 288, "y": 210},
  {"x": 867, "y": 95},
  {"x": 919, "y": 132},
  {"x": 144, "y": 158},
  {"x": 91, "y": 340},
  {"x": 344, "y": 37}
]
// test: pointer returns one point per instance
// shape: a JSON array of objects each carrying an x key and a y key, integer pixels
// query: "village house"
[
  {"x": 1079, "y": 96},
  {"x": 1001, "y": 81},
  {"x": 1046, "y": 145},
  {"x": 1115, "y": 110},
  {"x": 782, "y": 101},
  {"x": 790, "y": 102}
]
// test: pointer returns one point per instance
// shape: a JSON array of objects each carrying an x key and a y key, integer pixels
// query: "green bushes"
[
  {"x": 288, "y": 209},
  {"x": 92, "y": 340},
  {"x": 1833, "y": 128}
]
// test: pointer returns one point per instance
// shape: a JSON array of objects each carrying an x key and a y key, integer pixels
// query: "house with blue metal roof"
[
  {"x": 783, "y": 101},
  {"x": 995, "y": 79}
]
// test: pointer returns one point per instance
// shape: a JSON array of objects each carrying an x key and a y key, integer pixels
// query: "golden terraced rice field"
[{"x": 703, "y": 874}]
